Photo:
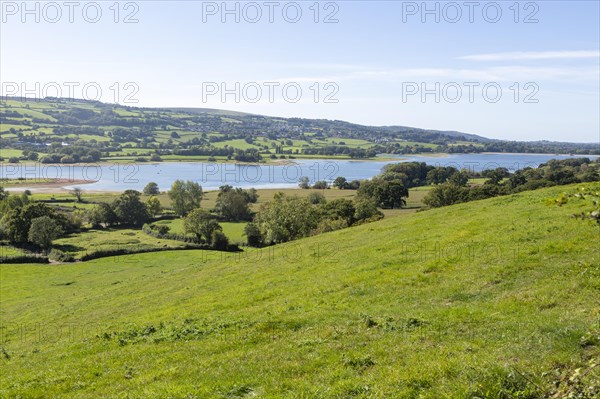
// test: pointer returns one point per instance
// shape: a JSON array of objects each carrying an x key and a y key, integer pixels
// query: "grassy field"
[
  {"x": 109, "y": 239},
  {"x": 210, "y": 197},
  {"x": 92, "y": 240},
  {"x": 233, "y": 231},
  {"x": 489, "y": 299}
]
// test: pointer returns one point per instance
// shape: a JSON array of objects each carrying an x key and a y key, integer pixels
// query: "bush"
[
  {"x": 446, "y": 194},
  {"x": 321, "y": 185},
  {"x": 43, "y": 230},
  {"x": 23, "y": 259},
  {"x": 219, "y": 240},
  {"x": 316, "y": 198},
  {"x": 67, "y": 159},
  {"x": 253, "y": 236},
  {"x": 60, "y": 256},
  {"x": 151, "y": 189},
  {"x": 163, "y": 229},
  {"x": 328, "y": 225}
]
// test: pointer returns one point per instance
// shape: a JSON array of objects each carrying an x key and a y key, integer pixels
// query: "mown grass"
[{"x": 489, "y": 299}]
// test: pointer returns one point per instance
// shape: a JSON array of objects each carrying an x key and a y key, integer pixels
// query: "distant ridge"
[
  {"x": 239, "y": 125},
  {"x": 213, "y": 111}
]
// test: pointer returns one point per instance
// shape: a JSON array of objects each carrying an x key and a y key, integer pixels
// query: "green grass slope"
[{"x": 490, "y": 299}]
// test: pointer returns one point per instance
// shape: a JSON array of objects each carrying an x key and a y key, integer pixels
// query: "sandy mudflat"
[{"x": 54, "y": 186}]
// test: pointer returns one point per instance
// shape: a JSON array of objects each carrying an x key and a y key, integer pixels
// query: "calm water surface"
[{"x": 120, "y": 177}]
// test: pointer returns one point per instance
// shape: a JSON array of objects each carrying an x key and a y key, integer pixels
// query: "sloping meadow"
[{"x": 493, "y": 299}]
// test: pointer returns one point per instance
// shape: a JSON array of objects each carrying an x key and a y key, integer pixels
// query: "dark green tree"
[
  {"x": 151, "y": 189},
  {"x": 130, "y": 209},
  {"x": 201, "y": 223},
  {"x": 43, "y": 230}
]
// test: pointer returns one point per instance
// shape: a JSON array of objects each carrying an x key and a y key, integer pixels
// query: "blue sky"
[{"x": 540, "y": 67}]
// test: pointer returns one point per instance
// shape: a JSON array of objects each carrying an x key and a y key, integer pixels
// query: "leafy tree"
[
  {"x": 340, "y": 183},
  {"x": 43, "y": 230},
  {"x": 446, "y": 194},
  {"x": 440, "y": 174},
  {"x": 517, "y": 179},
  {"x": 219, "y": 240},
  {"x": 366, "y": 210},
  {"x": 321, "y": 185},
  {"x": 102, "y": 214},
  {"x": 253, "y": 236},
  {"x": 185, "y": 196},
  {"x": 340, "y": 208},
  {"x": 77, "y": 192},
  {"x": 232, "y": 205},
  {"x": 200, "y": 223},
  {"x": 155, "y": 158},
  {"x": 3, "y": 194},
  {"x": 495, "y": 176},
  {"x": 386, "y": 194},
  {"x": 316, "y": 198},
  {"x": 353, "y": 185},
  {"x": 18, "y": 220},
  {"x": 12, "y": 202},
  {"x": 286, "y": 218},
  {"x": 130, "y": 210},
  {"x": 151, "y": 189},
  {"x": 459, "y": 178},
  {"x": 304, "y": 182},
  {"x": 251, "y": 195},
  {"x": 153, "y": 205},
  {"x": 411, "y": 174}
]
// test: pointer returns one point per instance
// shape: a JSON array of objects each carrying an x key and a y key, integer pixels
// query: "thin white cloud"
[
  {"x": 498, "y": 74},
  {"x": 532, "y": 55}
]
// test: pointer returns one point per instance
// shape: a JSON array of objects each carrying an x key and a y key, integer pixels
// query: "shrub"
[
  {"x": 60, "y": 256},
  {"x": 253, "y": 236},
  {"x": 321, "y": 185},
  {"x": 23, "y": 259},
  {"x": 219, "y": 240},
  {"x": 316, "y": 198},
  {"x": 328, "y": 225},
  {"x": 43, "y": 230},
  {"x": 446, "y": 194},
  {"x": 151, "y": 189}
]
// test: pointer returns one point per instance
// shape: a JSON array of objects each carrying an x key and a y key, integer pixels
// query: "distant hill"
[
  {"x": 63, "y": 130},
  {"x": 212, "y": 111},
  {"x": 449, "y": 133}
]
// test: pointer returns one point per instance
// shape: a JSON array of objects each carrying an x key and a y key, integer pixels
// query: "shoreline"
[
  {"x": 50, "y": 187},
  {"x": 268, "y": 161}
]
